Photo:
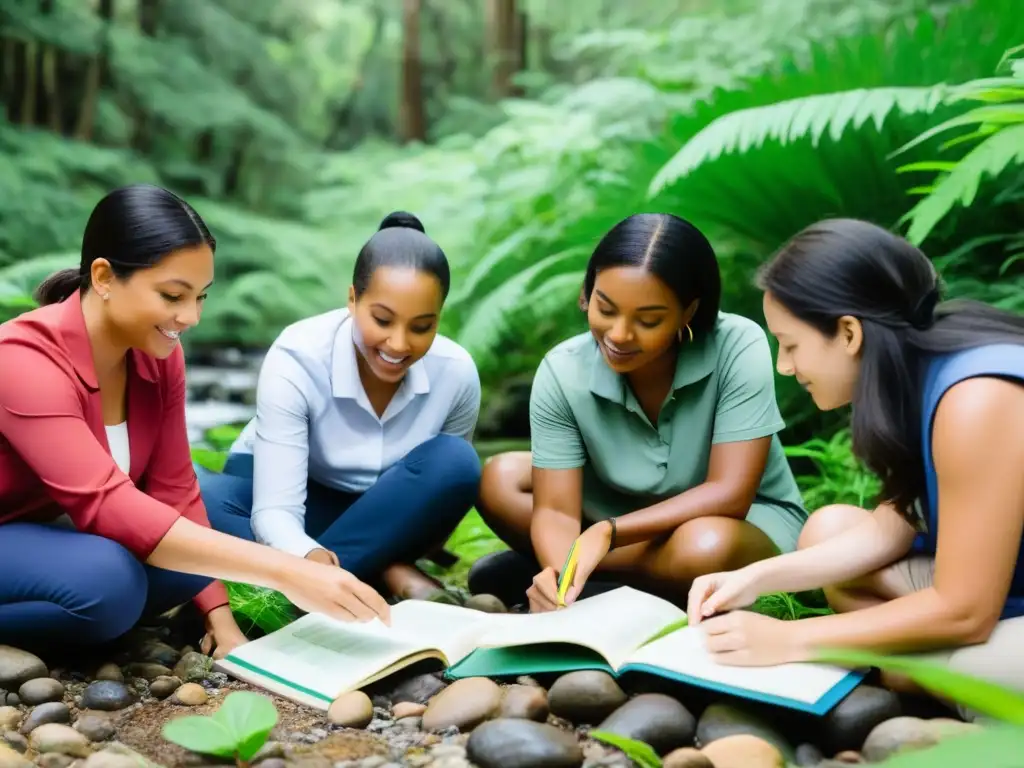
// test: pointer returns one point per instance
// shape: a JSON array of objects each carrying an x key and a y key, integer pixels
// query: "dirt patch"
[{"x": 140, "y": 729}]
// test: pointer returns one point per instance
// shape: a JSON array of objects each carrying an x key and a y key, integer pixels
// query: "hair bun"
[{"x": 401, "y": 219}]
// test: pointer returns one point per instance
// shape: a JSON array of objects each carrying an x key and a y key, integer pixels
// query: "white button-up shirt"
[{"x": 314, "y": 420}]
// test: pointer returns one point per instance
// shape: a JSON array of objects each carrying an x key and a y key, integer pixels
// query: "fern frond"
[
  {"x": 788, "y": 121},
  {"x": 22, "y": 277},
  {"x": 990, "y": 158}
]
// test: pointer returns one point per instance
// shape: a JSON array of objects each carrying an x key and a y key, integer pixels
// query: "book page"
[
  {"x": 684, "y": 652},
  {"x": 614, "y": 624},
  {"x": 329, "y": 656}
]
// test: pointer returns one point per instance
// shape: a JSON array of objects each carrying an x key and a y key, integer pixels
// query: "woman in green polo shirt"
[{"x": 655, "y": 434}]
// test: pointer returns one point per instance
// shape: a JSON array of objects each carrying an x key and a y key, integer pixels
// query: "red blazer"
[{"x": 54, "y": 455}]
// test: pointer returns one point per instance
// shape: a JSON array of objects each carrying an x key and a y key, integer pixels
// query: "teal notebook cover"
[{"x": 560, "y": 658}]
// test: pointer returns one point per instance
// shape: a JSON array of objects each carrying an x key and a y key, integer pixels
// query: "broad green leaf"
[
  {"x": 249, "y": 718},
  {"x": 639, "y": 752},
  {"x": 202, "y": 734},
  {"x": 974, "y": 693}
]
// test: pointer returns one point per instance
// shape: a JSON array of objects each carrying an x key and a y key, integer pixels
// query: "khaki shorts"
[{"x": 998, "y": 659}]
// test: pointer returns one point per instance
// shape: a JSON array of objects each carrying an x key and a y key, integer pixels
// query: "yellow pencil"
[{"x": 568, "y": 572}]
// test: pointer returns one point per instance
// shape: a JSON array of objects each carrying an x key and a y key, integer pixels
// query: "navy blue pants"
[
  {"x": 58, "y": 584},
  {"x": 412, "y": 508}
]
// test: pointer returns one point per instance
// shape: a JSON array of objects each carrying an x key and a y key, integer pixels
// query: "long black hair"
[
  {"x": 671, "y": 248},
  {"x": 132, "y": 227},
  {"x": 400, "y": 241},
  {"x": 846, "y": 267}
]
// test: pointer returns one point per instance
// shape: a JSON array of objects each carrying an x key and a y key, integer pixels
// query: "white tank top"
[{"x": 117, "y": 436}]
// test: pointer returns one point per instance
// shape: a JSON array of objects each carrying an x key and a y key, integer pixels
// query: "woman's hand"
[
  {"x": 591, "y": 547},
  {"x": 719, "y": 592},
  {"x": 747, "y": 639},
  {"x": 543, "y": 593},
  {"x": 319, "y": 588},
  {"x": 222, "y": 633}
]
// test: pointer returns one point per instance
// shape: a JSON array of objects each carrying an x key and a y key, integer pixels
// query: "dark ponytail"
[
  {"x": 133, "y": 228},
  {"x": 59, "y": 286},
  {"x": 400, "y": 241},
  {"x": 846, "y": 267}
]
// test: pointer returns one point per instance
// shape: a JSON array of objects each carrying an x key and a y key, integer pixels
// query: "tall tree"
[{"x": 413, "y": 119}]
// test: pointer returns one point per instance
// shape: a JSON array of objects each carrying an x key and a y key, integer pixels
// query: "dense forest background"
[{"x": 518, "y": 131}]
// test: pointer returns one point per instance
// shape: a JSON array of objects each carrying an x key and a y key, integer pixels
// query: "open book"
[{"x": 315, "y": 659}]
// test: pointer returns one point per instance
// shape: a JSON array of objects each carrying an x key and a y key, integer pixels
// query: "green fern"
[
  {"x": 998, "y": 134},
  {"x": 792, "y": 120}
]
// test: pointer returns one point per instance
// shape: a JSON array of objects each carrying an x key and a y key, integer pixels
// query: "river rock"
[
  {"x": 107, "y": 696},
  {"x": 95, "y": 727},
  {"x": 11, "y": 759},
  {"x": 720, "y": 720},
  {"x": 687, "y": 757},
  {"x": 164, "y": 686},
  {"x": 654, "y": 718},
  {"x": 18, "y": 666},
  {"x": 849, "y": 723},
  {"x": 351, "y": 710},
  {"x": 808, "y": 755},
  {"x": 54, "y": 760},
  {"x": 192, "y": 667},
  {"x": 148, "y": 670},
  {"x": 526, "y": 702},
  {"x": 486, "y": 603},
  {"x": 418, "y": 689},
  {"x": 517, "y": 743},
  {"x": 742, "y": 750},
  {"x": 909, "y": 733},
  {"x": 109, "y": 671},
  {"x": 10, "y": 718},
  {"x": 13, "y": 700},
  {"x": 848, "y": 757},
  {"x": 190, "y": 695},
  {"x": 108, "y": 759},
  {"x": 464, "y": 704},
  {"x": 405, "y": 709},
  {"x": 15, "y": 741},
  {"x": 41, "y": 690},
  {"x": 51, "y": 712},
  {"x": 586, "y": 696},
  {"x": 56, "y": 737},
  {"x": 159, "y": 652}
]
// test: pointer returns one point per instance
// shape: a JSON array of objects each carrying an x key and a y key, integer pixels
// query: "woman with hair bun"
[{"x": 360, "y": 455}]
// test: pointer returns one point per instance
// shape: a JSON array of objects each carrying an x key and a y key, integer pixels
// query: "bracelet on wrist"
[{"x": 611, "y": 541}]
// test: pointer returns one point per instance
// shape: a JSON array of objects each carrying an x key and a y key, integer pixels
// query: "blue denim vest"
[{"x": 941, "y": 373}]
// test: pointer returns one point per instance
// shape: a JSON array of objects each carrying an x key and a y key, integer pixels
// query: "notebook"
[{"x": 315, "y": 659}]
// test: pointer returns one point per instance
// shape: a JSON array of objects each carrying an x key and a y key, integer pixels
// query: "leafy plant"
[
  {"x": 998, "y": 135},
  {"x": 238, "y": 729},
  {"x": 639, "y": 752}
]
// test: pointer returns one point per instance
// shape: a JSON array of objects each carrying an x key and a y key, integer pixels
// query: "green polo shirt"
[{"x": 583, "y": 414}]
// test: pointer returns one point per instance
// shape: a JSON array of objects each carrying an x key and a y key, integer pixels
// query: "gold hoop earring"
[{"x": 689, "y": 330}]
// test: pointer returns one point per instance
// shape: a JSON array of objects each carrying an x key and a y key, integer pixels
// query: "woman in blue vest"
[{"x": 938, "y": 414}]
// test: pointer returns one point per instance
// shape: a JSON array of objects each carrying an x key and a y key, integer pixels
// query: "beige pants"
[{"x": 998, "y": 660}]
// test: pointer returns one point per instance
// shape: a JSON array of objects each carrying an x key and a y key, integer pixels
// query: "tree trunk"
[
  {"x": 504, "y": 46},
  {"x": 412, "y": 122},
  {"x": 95, "y": 76}
]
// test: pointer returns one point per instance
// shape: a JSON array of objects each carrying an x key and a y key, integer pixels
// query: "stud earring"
[{"x": 106, "y": 297}]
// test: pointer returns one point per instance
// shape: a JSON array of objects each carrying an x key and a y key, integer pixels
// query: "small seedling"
[
  {"x": 640, "y": 752},
  {"x": 238, "y": 729}
]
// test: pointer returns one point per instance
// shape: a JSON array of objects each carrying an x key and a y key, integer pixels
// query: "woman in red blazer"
[{"x": 101, "y": 521}]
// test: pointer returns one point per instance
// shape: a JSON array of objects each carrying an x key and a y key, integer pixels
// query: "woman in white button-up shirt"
[{"x": 360, "y": 452}]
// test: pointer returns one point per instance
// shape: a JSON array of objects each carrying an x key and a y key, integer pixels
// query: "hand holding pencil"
[{"x": 583, "y": 557}]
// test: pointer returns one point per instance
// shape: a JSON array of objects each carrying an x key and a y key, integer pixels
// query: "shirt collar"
[
  {"x": 79, "y": 348},
  {"x": 695, "y": 362},
  {"x": 345, "y": 382}
]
